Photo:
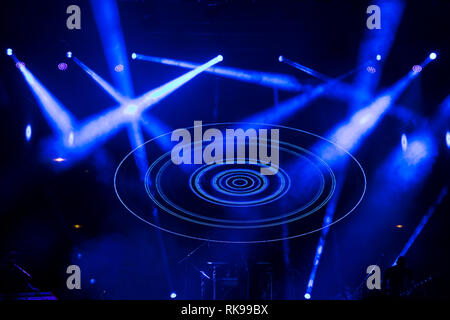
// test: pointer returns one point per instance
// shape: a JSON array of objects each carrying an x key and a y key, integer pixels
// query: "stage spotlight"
[
  {"x": 77, "y": 226},
  {"x": 399, "y": 226},
  {"x": 173, "y": 295},
  {"x": 371, "y": 69},
  {"x": 92, "y": 281},
  {"x": 307, "y": 296},
  {"x": 133, "y": 56},
  {"x": 378, "y": 57},
  {"x": 28, "y": 132},
  {"x": 59, "y": 159},
  {"x": 62, "y": 66},
  {"x": 447, "y": 139},
  {"x": 20, "y": 65},
  {"x": 433, "y": 55},
  {"x": 79, "y": 255},
  {"x": 9, "y": 52},
  {"x": 404, "y": 141},
  {"x": 219, "y": 58},
  {"x": 69, "y": 54},
  {"x": 118, "y": 68},
  {"x": 416, "y": 68},
  {"x": 280, "y": 58}
]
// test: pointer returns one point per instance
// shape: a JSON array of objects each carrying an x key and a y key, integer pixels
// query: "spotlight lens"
[
  {"x": 9, "y": 51},
  {"x": 404, "y": 142},
  {"x": 433, "y": 55},
  {"x": 20, "y": 64},
  {"x": 62, "y": 66},
  {"x": 378, "y": 57},
  {"x": 307, "y": 296},
  {"x": 220, "y": 57},
  {"x": 28, "y": 132},
  {"x": 447, "y": 139},
  {"x": 280, "y": 58},
  {"x": 416, "y": 68},
  {"x": 133, "y": 56},
  {"x": 371, "y": 69},
  {"x": 69, "y": 54},
  {"x": 173, "y": 295},
  {"x": 119, "y": 68}
]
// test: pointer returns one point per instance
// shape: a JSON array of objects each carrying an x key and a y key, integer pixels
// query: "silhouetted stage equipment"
[{"x": 224, "y": 281}]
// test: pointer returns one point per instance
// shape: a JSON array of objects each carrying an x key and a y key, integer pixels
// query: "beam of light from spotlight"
[
  {"x": 137, "y": 139},
  {"x": 115, "y": 94},
  {"x": 404, "y": 170},
  {"x": 267, "y": 79},
  {"x": 56, "y": 114},
  {"x": 328, "y": 218},
  {"x": 374, "y": 44},
  {"x": 305, "y": 69},
  {"x": 152, "y": 123},
  {"x": 101, "y": 126},
  {"x": 155, "y": 128},
  {"x": 161, "y": 92},
  {"x": 422, "y": 224},
  {"x": 281, "y": 111},
  {"x": 106, "y": 14},
  {"x": 350, "y": 133}
]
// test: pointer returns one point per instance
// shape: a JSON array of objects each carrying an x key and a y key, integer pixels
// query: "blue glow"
[
  {"x": 422, "y": 224},
  {"x": 378, "y": 57},
  {"x": 161, "y": 92},
  {"x": 60, "y": 119},
  {"x": 374, "y": 44},
  {"x": 404, "y": 142},
  {"x": 447, "y": 139},
  {"x": 328, "y": 218},
  {"x": 101, "y": 126},
  {"x": 136, "y": 138},
  {"x": 405, "y": 169},
  {"x": 416, "y": 152},
  {"x": 349, "y": 135},
  {"x": 28, "y": 132},
  {"x": 173, "y": 295},
  {"x": 433, "y": 55},
  {"x": 307, "y": 70},
  {"x": 79, "y": 255},
  {"x": 107, "y": 18},
  {"x": 116, "y": 95},
  {"x": 155, "y": 128},
  {"x": 69, "y": 54},
  {"x": 133, "y": 56},
  {"x": 268, "y": 79},
  {"x": 92, "y": 281},
  {"x": 9, "y": 52},
  {"x": 307, "y": 296}
]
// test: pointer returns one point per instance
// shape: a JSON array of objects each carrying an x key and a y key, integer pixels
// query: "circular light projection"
[
  {"x": 62, "y": 66},
  {"x": 231, "y": 200},
  {"x": 119, "y": 68},
  {"x": 371, "y": 69}
]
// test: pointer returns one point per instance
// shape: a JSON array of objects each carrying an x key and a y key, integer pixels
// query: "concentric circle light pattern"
[{"x": 232, "y": 201}]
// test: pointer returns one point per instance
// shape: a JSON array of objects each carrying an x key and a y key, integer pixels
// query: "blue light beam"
[
  {"x": 422, "y": 224},
  {"x": 267, "y": 79}
]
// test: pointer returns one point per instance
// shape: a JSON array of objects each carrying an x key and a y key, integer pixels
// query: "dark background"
[{"x": 40, "y": 205}]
